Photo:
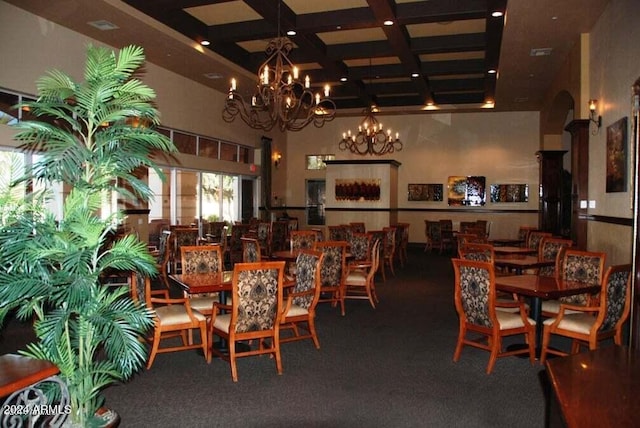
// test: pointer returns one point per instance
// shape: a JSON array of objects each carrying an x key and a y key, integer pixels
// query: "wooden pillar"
[
  {"x": 579, "y": 130},
  {"x": 550, "y": 212}
]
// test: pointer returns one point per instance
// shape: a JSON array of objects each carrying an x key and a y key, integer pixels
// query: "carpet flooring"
[{"x": 388, "y": 367}]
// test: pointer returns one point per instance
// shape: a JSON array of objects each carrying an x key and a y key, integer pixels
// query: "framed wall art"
[
  {"x": 617, "y": 156},
  {"x": 357, "y": 190},
  {"x": 466, "y": 190},
  {"x": 424, "y": 192},
  {"x": 509, "y": 193}
]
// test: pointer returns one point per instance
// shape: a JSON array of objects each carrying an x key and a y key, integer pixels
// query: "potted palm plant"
[{"x": 51, "y": 268}]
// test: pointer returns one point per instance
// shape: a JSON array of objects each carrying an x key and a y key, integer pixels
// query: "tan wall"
[
  {"x": 614, "y": 66},
  {"x": 499, "y": 146}
]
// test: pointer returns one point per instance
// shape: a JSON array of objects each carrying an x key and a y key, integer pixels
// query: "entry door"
[{"x": 315, "y": 202}]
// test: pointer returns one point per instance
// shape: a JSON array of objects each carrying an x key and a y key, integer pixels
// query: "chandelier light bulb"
[
  {"x": 371, "y": 138},
  {"x": 280, "y": 99}
]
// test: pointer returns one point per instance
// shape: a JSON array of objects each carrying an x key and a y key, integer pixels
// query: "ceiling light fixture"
[
  {"x": 281, "y": 99},
  {"x": 388, "y": 23},
  {"x": 371, "y": 139}
]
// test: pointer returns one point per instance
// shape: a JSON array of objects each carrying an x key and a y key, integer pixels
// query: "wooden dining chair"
[
  {"x": 263, "y": 235},
  {"x": 589, "y": 325},
  {"x": 581, "y": 266},
  {"x": 251, "y": 250},
  {"x": 535, "y": 237},
  {"x": 402, "y": 242},
  {"x": 299, "y": 310},
  {"x": 433, "y": 235},
  {"x": 279, "y": 235},
  {"x": 388, "y": 251},
  {"x": 338, "y": 233},
  {"x": 332, "y": 271},
  {"x": 163, "y": 258},
  {"x": 302, "y": 239},
  {"x": 358, "y": 227},
  {"x": 475, "y": 301},
  {"x": 235, "y": 242},
  {"x": 202, "y": 259},
  {"x": 172, "y": 317},
  {"x": 548, "y": 251},
  {"x": 359, "y": 282},
  {"x": 181, "y": 236},
  {"x": 253, "y": 316},
  {"x": 360, "y": 247}
]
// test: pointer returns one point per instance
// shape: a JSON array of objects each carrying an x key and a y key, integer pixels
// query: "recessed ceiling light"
[
  {"x": 388, "y": 22},
  {"x": 492, "y": 71},
  {"x": 103, "y": 25},
  {"x": 343, "y": 79},
  {"x": 415, "y": 75},
  {"x": 497, "y": 14},
  {"x": 213, "y": 75},
  {"x": 205, "y": 42},
  {"x": 291, "y": 33}
]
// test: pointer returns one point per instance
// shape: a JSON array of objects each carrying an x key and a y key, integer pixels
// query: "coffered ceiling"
[{"x": 436, "y": 52}]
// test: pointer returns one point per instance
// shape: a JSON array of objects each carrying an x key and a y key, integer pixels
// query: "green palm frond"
[{"x": 52, "y": 267}]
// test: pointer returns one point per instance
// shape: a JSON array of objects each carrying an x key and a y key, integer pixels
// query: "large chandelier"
[
  {"x": 371, "y": 139},
  {"x": 281, "y": 99}
]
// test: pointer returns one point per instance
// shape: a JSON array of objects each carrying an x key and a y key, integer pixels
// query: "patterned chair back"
[
  {"x": 376, "y": 235},
  {"x": 360, "y": 245},
  {"x": 163, "y": 246},
  {"x": 334, "y": 263},
  {"x": 302, "y": 239},
  {"x": 235, "y": 241},
  {"x": 257, "y": 296},
  {"x": 615, "y": 297},
  {"x": 201, "y": 259},
  {"x": 477, "y": 252},
  {"x": 475, "y": 291},
  {"x": 535, "y": 237},
  {"x": 548, "y": 250},
  {"x": 307, "y": 278},
  {"x": 389, "y": 241},
  {"x": 582, "y": 266},
  {"x": 279, "y": 235},
  {"x": 263, "y": 234},
  {"x": 433, "y": 231},
  {"x": 338, "y": 233},
  {"x": 215, "y": 231},
  {"x": 250, "y": 250},
  {"x": 182, "y": 236},
  {"x": 358, "y": 227}
]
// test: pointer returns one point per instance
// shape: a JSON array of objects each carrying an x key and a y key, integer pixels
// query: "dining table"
[
  {"x": 508, "y": 250},
  {"x": 519, "y": 264},
  {"x": 538, "y": 288},
  {"x": 506, "y": 242}
]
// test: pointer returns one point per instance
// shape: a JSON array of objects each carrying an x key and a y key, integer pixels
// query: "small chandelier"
[
  {"x": 371, "y": 139},
  {"x": 281, "y": 99}
]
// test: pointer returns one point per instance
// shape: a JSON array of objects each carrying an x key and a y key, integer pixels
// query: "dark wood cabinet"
[
  {"x": 579, "y": 130},
  {"x": 551, "y": 191}
]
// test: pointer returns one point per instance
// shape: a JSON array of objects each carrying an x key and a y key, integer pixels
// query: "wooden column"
[
  {"x": 550, "y": 212},
  {"x": 579, "y": 130}
]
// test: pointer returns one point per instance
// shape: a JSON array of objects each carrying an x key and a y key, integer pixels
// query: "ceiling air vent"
[
  {"x": 213, "y": 75},
  {"x": 541, "y": 51},
  {"x": 103, "y": 25}
]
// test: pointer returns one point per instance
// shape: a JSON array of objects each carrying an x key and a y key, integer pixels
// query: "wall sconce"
[
  {"x": 593, "y": 116},
  {"x": 277, "y": 156}
]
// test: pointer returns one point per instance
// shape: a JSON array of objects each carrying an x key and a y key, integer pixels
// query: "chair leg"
[
  {"x": 495, "y": 350},
  {"x": 203, "y": 339},
  {"x": 546, "y": 334},
  {"x": 312, "y": 331},
  {"x": 232, "y": 360},
  {"x": 275, "y": 343},
  {"x": 461, "y": 334},
  {"x": 154, "y": 348}
]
